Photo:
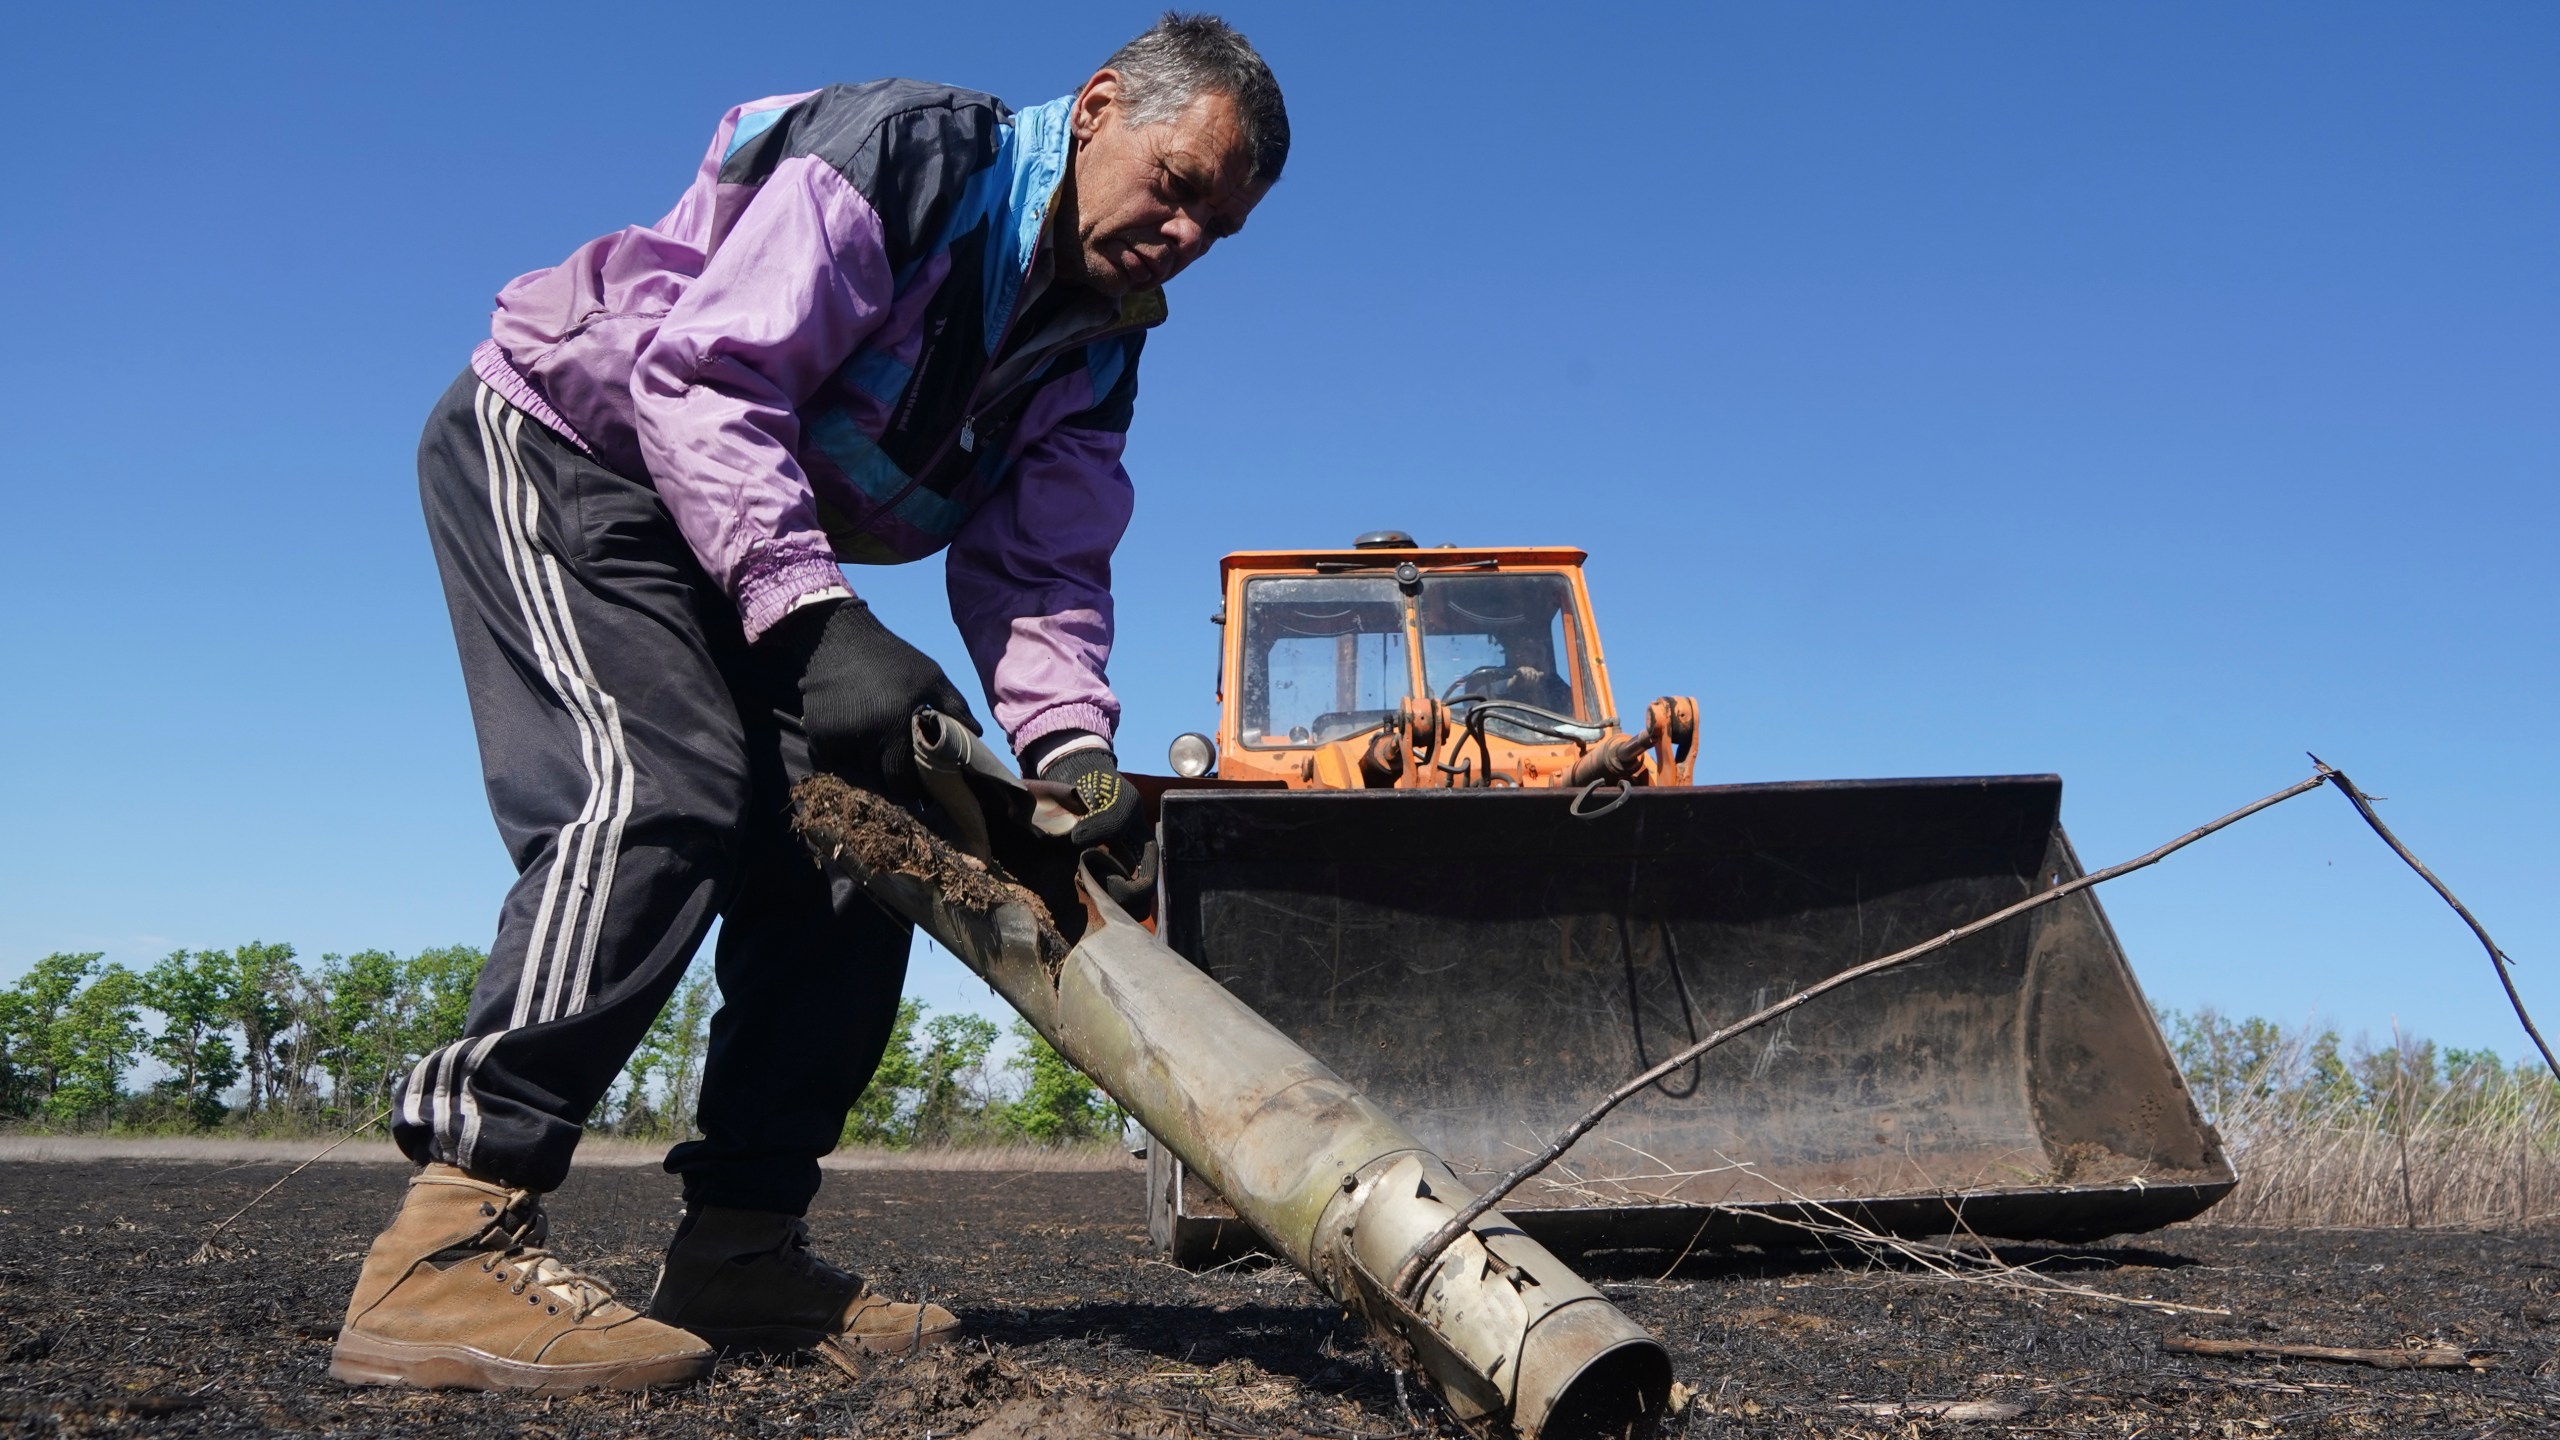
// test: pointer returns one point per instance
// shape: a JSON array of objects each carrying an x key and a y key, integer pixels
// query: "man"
[{"x": 885, "y": 320}]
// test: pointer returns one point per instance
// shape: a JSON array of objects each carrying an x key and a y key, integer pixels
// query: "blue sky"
[{"x": 2144, "y": 394}]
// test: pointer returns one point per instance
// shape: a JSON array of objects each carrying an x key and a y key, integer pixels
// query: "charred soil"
[{"x": 1077, "y": 1330}]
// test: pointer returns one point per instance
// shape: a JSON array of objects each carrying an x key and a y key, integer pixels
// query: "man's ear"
[{"x": 1084, "y": 118}]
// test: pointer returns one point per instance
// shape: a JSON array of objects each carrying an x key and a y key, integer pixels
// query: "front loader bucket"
[{"x": 1484, "y": 965}]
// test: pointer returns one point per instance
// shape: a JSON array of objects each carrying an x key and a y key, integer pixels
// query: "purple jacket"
[{"x": 840, "y": 346}]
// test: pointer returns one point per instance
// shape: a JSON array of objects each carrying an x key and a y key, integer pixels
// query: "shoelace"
[
  {"x": 797, "y": 1253},
  {"x": 520, "y": 1224}
]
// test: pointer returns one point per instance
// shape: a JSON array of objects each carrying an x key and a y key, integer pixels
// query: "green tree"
[
  {"x": 361, "y": 1028},
  {"x": 1057, "y": 1103},
  {"x": 18, "y": 1093},
  {"x": 303, "y": 999},
  {"x": 37, "y": 1004},
  {"x": 2228, "y": 1061},
  {"x": 2479, "y": 1086},
  {"x": 673, "y": 1052},
  {"x": 635, "y": 1115},
  {"x": 952, "y": 1103},
  {"x": 438, "y": 983},
  {"x": 2400, "y": 1080},
  {"x": 95, "y": 1041},
  {"x": 2328, "y": 1080},
  {"x": 880, "y": 1116},
  {"x": 193, "y": 1045},
  {"x": 253, "y": 995}
]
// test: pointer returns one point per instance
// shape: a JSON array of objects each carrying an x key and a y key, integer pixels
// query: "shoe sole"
[
  {"x": 365, "y": 1360},
  {"x": 777, "y": 1339}
]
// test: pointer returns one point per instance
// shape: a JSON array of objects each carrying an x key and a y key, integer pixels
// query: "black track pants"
[{"x": 639, "y": 777}]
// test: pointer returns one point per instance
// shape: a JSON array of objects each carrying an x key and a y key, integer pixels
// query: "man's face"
[{"x": 1148, "y": 201}]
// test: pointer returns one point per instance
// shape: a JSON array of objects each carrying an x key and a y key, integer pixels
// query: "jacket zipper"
[{"x": 967, "y": 437}]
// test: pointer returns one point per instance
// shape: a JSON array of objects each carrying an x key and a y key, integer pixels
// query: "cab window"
[
  {"x": 1324, "y": 658},
  {"x": 1504, "y": 637}
]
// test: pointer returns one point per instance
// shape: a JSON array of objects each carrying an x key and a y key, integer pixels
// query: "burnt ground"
[{"x": 1078, "y": 1331}]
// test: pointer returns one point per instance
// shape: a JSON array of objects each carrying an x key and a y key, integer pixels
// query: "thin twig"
[
  {"x": 1943, "y": 1261},
  {"x": 1409, "y": 1275},
  {"x": 204, "y": 1252},
  {"x": 2433, "y": 1357},
  {"x": 1676, "y": 1260},
  {"x": 1935, "y": 1409},
  {"x": 2364, "y": 807}
]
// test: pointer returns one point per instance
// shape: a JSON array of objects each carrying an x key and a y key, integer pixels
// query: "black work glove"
[
  {"x": 1110, "y": 803},
  {"x": 860, "y": 686}
]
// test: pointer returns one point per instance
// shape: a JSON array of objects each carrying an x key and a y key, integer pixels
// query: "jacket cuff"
[
  {"x": 767, "y": 595},
  {"x": 1040, "y": 754},
  {"x": 1075, "y": 716}
]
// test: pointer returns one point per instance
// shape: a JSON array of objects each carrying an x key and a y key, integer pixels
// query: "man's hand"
[
  {"x": 1110, "y": 802},
  {"x": 859, "y": 689}
]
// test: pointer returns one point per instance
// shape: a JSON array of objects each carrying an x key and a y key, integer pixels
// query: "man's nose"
[{"x": 1186, "y": 234}]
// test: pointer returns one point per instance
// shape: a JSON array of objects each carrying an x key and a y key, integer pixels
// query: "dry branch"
[
  {"x": 1946, "y": 1262},
  {"x": 2498, "y": 958},
  {"x": 2433, "y": 1357}
]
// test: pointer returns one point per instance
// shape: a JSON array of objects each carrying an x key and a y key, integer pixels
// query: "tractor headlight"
[{"x": 1193, "y": 755}]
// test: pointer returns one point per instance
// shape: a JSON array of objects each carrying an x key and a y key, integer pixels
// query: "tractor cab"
[{"x": 1391, "y": 666}]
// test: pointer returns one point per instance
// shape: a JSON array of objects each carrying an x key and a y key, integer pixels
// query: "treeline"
[
  {"x": 2236, "y": 1067},
  {"x": 243, "y": 1035},
  {"x": 248, "y": 1039}
]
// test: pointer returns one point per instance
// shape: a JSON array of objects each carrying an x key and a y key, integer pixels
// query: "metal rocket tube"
[{"x": 1506, "y": 1333}]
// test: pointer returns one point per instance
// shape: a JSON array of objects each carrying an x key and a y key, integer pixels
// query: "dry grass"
[
  {"x": 1017, "y": 1156},
  {"x": 2332, "y": 1134},
  {"x": 2312, "y": 1170}
]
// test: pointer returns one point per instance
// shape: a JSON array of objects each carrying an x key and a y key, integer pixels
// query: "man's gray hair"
[{"x": 1165, "y": 69}]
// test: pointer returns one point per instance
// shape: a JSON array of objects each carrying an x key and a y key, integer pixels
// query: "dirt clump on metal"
[{"x": 847, "y": 823}]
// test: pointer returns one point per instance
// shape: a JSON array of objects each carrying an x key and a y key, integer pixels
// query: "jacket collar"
[{"x": 1043, "y": 147}]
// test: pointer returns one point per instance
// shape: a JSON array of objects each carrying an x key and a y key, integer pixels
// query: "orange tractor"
[
  {"x": 1397, "y": 668},
  {"x": 1421, "y": 844}
]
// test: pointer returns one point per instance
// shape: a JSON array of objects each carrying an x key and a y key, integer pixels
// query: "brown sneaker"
[
  {"x": 459, "y": 1293},
  {"x": 747, "y": 1279}
]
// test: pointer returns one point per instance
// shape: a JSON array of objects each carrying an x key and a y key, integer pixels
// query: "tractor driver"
[
  {"x": 1513, "y": 617},
  {"x": 885, "y": 320},
  {"x": 1528, "y": 672}
]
